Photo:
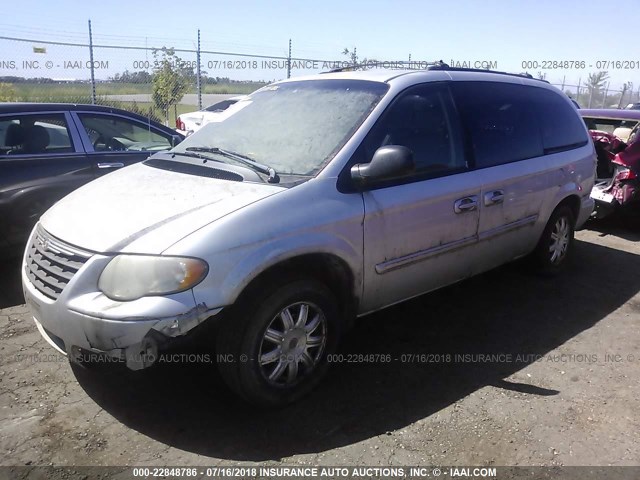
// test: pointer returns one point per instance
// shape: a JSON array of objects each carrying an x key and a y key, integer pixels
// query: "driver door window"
[
  {"x": 423, "y": 120},
  {"x": 109, "y": 133}
]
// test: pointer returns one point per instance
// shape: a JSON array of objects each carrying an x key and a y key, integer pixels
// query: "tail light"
[
  {"x": 625, "y": 174},
  {"x": 179, "y": 124}
]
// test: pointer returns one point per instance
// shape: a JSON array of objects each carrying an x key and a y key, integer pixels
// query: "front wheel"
[
  {"x": 556, "y": 242},
  {"x": 277, "y": 342}
]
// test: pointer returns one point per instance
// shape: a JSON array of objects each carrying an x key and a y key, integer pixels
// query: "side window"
[
  {"x": 560, "y": 123},
  {"x": 220, "y": 106},
  {"x": 500, "y": 121},
  {"x": 110, "y": 133},
  {"x": 34, "y": 134},
  {"x": 422, "y": 119},
  {"x": 607, "y": 124}
]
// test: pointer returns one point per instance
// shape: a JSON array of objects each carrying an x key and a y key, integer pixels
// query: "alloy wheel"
[
  {"x": 560, "y": 236},
  {"x": 293, "y": 344}
]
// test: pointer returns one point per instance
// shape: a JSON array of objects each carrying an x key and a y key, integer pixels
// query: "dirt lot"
[{"x": 560, "y": 387}]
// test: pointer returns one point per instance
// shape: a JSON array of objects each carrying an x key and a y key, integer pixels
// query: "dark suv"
[{"x": 48, "y": 150}]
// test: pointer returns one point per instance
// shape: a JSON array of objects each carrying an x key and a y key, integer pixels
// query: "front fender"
[
  {"x": 311, "y": 218},
  {"x": 223, "y": 290},
  {"x": 273, "y": 254}
]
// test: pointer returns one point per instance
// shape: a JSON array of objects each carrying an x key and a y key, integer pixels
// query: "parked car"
[
  {"x": 187, "y": 123},
  {"x": 633, "y": 106},
  {"x": 320, "y": 199},
  {"x": 48, "y": 150},
  {"x": 615, "y": 121},
  {"x": 618, "y": 173}
]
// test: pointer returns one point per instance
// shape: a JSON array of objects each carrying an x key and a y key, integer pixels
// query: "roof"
[
  {"x": 34, "y": 106},
  {"x": 614, "y": 113}
]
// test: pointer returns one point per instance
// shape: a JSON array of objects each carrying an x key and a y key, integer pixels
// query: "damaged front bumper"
[{"x": 82, "y": 319}]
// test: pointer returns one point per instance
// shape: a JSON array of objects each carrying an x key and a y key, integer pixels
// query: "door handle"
[
  {"x": 466, "y": 204},
  {"x": 111, "y": 165},
  {"x": 494, "y": 197}
]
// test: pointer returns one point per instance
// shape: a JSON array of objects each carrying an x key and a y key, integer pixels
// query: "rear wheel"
[
  {"x": 556, "y": 242},
  {"x": 278, "y": 341}
]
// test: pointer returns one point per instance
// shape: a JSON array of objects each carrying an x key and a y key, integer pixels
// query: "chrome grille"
[{"x": 51, "y": 263}]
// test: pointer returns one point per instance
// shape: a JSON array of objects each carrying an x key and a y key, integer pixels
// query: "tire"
[
  {"x": 556, "y": 243},
  {"x": 278, "y": 340}
]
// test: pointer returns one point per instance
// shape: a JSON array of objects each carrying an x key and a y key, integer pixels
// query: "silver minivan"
[{"x": 309, "y": 203}]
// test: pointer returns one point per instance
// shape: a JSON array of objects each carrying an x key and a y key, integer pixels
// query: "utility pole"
[
  {"x": 289, "y": 61},
  {"x": 93, "y": 77},
  {"x": 198, "y": 81}
]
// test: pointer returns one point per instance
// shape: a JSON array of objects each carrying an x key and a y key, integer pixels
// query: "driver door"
[
  {"x": 420, "y": 232},
  {"x": 114, "y": 141}
]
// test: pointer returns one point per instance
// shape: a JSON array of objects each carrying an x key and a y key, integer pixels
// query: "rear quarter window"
[
  {"x": 560, "y": 125},
  {"x": 34, "y": 133}
]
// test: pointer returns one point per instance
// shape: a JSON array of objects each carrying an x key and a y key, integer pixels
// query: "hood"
[{"x": 142, "y": 209}]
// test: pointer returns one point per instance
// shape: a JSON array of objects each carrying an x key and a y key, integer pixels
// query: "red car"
[{"x": 618, "y": 172}]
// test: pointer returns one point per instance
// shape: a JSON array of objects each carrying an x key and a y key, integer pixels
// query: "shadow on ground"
[
  {"x": 626, "y": 225},
  {"x": 10, "y": 283},
  {"x": 506, "y": 311}
]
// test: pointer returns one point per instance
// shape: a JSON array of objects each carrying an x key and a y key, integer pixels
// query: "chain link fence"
[
  {"x": 162, "y": 82},
  {"x": 158, "y": 82},
  {"x": 603, "y": 97}
]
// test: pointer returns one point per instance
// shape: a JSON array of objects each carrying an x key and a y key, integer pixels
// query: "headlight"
[{"x": 129, "y": 277}]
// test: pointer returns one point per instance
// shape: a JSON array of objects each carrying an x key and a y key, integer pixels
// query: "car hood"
[{"x": 142, "y": 209}]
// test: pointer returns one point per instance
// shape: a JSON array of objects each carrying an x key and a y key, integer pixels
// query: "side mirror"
[
  {"x": 175, "y": 140},
  {"x": 388, "y": 162}
]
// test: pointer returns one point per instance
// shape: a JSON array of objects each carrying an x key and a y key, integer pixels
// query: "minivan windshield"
[{"x": 294, "y": 127}]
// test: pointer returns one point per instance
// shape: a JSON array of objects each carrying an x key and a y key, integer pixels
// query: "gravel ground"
[{"x": 523, "y": 371}]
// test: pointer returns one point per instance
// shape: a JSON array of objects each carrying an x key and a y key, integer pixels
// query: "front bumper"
[{"x": 82, "y": 318}]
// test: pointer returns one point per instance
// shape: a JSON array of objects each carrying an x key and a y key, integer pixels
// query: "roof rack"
[
  {"x": 421, "y": 66},
  {"x": 391, "y": 65},
  {"x": 460, "y": 69}
]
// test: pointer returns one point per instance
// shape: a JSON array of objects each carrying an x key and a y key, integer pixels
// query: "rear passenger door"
[
  {"x": 114, "y": 141},
  {"x": 41, "y": 161},
  {"x": 504, "y": 133}
]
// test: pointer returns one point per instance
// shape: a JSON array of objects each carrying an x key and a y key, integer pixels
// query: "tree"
[
  {"x": 353, "y": 56},
  {"x": 597, "y": 80},
  {"x": 169, "y": 82},
  {"x": 627, "y": 86},
  {"x": 132, "y": 77},
  {"x": 7, "y": 93},
  {"x": 595, "y": 84},
  {"x": 363, "y": 64}
]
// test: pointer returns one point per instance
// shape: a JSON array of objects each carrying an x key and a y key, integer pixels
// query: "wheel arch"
[
  {"x": 573, "y": 202},
  {"x": 328, "y": 268}
]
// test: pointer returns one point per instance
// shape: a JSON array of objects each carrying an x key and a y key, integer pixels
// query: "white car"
[{"x": 187, "y": 123}]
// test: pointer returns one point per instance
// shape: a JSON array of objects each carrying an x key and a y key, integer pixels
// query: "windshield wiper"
[
  {"x": 191, "y": 154},
  {"x": 248, "y": 161}
]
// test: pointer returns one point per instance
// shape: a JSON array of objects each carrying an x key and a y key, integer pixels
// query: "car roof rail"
[
  {"x": 479, "y": 70},
  {"x": 429, "y": 66},
  {"x": 390, "y": 65}
]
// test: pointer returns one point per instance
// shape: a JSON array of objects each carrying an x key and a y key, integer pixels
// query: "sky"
[{"x": 504, "y": 33}]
